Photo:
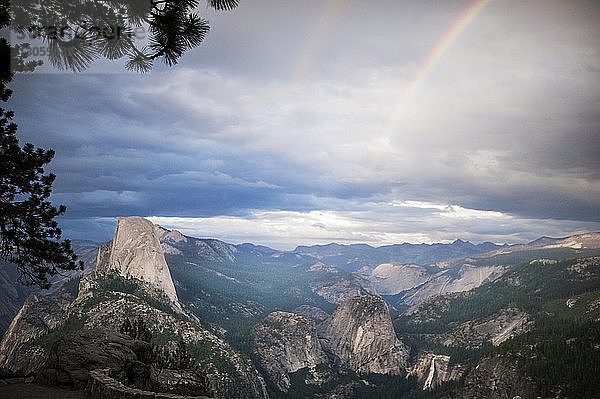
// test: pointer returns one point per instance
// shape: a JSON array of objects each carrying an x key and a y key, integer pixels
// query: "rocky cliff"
[
  {"x": 313, "y": 312},
  {"x": 494, "y": 378},
  {"x": 36, "y": 318},
  {"x": 496, "y": 329},
  {"x": 136, "y": 252},
  {"x": 12, "y": 294},
  {"x": 431, "y": 370},
  {"x": 73, "y": 356},
  {"x": 391, "y": 278},
  {"x": 132, "y": 281},
  {"x": 359, "y": 336},
  {"x": 284, "y": 343},
  {"x": 336, "y": 285},
  {"x": 464, "y": 278}
]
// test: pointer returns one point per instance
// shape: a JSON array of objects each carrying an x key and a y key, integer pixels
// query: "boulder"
[{"x": 72, "y": 357}]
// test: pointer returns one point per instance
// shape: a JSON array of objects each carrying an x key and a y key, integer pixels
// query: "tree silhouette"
[
  {"x": 76, "y": 33},
  {"x": 30, "y": 237},
  {"x": 136, "y": 329}
]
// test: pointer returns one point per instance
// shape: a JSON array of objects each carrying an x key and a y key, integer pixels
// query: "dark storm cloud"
[{"x": 283, "y": 113}]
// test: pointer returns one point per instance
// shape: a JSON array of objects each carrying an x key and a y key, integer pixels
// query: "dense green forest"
[
  {"x": 561, "y": 356},
  {"x": 234, "y": 296},
  {"x": 364, "y": 386},
  {"x": 560, "y": 351}
]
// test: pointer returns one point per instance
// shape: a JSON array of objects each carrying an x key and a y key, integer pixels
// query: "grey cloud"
[{"x": 265, "y": 116}]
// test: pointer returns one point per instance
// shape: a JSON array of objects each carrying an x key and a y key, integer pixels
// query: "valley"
[{"x": 249, "y": 321}]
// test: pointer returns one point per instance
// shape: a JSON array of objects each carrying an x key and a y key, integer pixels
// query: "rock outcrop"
[
  {"x": 131, "y": 281},
  {"x": 494, "y": 378},
  {"x": 359, "y": 336},
  {"x": 431, "y": 370},
  {"x": 496, "y": 329},
  {"x": 391, "y": 278},
  {"x": 73, "y": 357},
  {"x": 102, "y": 385},
  {"x": 447, "y": 281},
  {"x": 115, "y": 365},
  {"x": 313, "y": 312},
  {"x": 284, "y": 343},
  {"x": 37, "y": 316},
  {"x": 136, "y": 252},
  {"x": 336, "y": 285},
  {"x": 12, "y": 294}
]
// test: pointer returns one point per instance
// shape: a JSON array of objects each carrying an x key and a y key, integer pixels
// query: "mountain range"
[
  {"x": 204, "y": 317},
  {"x": 363, "y": 258}
]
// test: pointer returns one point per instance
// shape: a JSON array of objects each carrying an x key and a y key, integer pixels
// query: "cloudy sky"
[{"x": 339, "y": 120}]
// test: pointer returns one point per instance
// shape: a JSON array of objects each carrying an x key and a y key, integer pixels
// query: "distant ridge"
[{"x": 363, "y": 257}]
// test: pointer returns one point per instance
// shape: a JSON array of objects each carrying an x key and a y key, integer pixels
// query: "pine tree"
[
  {"x": 125, "y": 327},
  {"x": 77, "y": 34},
  {"x": 29, "y": 235},
  {"x": 136, "y": 330}
]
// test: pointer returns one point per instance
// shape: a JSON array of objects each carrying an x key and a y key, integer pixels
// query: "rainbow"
[
  {"x": 434, "y": 56},
  {"x": 317, "y": 37}
]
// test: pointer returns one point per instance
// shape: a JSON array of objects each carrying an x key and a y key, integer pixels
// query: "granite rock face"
[
  {"x": 131, "y": 281},
  {"x": 72, "y": 358},
  {"x": 359, "y": 336},
  {"x": 336, "y": 285},
  {"x": 136, "y": 252},
  {"x": 313, "y": 312},
  {"x": 496, "y": 328},
  {"x": 431, "y": 370},
  {"x": 392, "y": 278},
  {"x": 494, "y": 378},
  {"x": 284, "y": 343},
  {"x": 447, "y": 281},
  {"x": 12, "y": 294},
  {"x": 37, "y": 316}
]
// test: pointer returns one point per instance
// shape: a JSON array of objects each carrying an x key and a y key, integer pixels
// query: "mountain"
[
  {"x": 164, "y": 311},
  {"x": 408, "y": 285},
  {"x": 406, "y": 274},
  {"x": 304, "y": 358},
  {"x": 13, "y": 294},
  {"x": 533, "y": 330},
  {"x": 586, "y": 240},
  {"x": 231, "y": 287},
  {"x": 393, "y": 278},
  {"x": 284, "y": 343},
  {"x": 127, "y": 294},
  {"x": 36, "y": 318},
  {"x": 364, "y": 258},
  {"x": 359, "y": 336},
  {"x": 135, "y": 252}
]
